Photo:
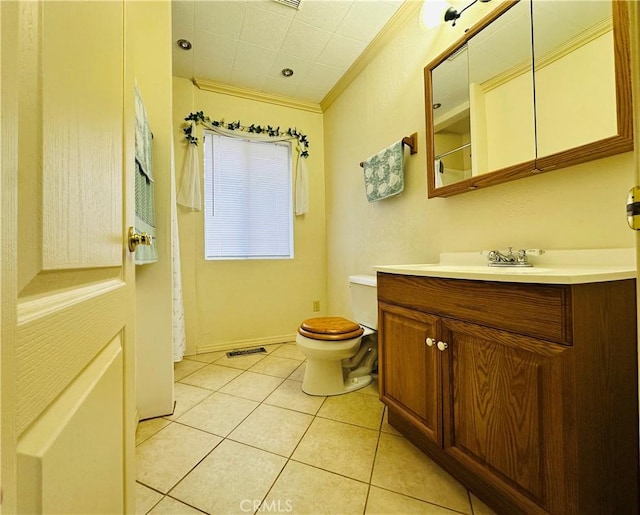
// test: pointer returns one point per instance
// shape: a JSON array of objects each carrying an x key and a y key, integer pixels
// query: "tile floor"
[{"x": 244, "y": 438}]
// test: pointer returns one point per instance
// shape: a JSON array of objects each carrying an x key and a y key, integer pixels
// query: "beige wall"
[
  {"x": 572, "y": 208},
  {"x": 154, "y": 342},
  {"x": 249, "y": 302}
]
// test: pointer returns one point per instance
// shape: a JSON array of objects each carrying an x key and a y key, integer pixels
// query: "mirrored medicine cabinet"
[{"x": 535, "y": 86}]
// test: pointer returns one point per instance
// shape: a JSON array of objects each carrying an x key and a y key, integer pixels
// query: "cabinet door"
[
  {"x": 508, "y": 412},
  {"x": 410, "y": 379}
]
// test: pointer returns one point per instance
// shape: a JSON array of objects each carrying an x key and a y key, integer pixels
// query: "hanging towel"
[
  {"x": 384, "y": 173},
  {"x": 144, "y": 187},
  {"x": 190, "y": 194},
  {"x": 438, "y": 168},
  {"x": 302, "y": 188}
]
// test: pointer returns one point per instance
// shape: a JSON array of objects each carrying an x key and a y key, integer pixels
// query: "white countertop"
[{"x": 554, "y": 267}]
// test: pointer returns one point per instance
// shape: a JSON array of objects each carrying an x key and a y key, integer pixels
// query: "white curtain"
[
  {"x": 190, "y": 193},
  {"x": 302, "y": 187},
  {"x": 179, "y": 336}
]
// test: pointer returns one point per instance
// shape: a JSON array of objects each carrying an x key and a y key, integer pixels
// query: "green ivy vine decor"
[{"x": 200, "y": 118}]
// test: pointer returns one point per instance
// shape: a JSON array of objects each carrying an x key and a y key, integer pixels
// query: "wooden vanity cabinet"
[{"x": 533, "y": 404}]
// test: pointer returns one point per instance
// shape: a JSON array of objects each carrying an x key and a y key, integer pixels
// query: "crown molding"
[
  {"x": 409, "y": 9},
  {"x": 252, "y": 94}
]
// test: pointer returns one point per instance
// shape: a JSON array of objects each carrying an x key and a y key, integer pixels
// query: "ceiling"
[{"x": 247, "y": 43}]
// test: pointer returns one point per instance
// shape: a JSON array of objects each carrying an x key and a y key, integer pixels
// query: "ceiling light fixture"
[
  {"x": 184, "y": 44},
  {"x": 452, "y": 14},
  {"x": 432, "y": 10},
  {"x": 287, "y": 72}
]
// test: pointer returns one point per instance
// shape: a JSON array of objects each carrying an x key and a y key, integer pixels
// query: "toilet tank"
[{"x": 364, "y": 300}]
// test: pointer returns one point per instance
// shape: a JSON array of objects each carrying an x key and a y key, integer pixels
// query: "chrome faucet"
[{"x": 497, "y": 258}]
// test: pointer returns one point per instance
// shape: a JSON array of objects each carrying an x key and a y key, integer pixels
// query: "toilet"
[{"x": 341, "y": 353}]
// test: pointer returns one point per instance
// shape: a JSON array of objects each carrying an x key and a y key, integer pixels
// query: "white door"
[{"x": 68, "y": 413}]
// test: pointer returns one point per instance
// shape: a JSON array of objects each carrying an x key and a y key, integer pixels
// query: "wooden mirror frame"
[{"x": 619, "y": 143}]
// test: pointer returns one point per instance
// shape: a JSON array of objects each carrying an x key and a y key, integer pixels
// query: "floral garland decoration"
[{"x": 199, "y": 117}]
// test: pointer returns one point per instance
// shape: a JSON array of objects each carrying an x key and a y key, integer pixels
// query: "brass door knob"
[{"x": 136, "y": 239}]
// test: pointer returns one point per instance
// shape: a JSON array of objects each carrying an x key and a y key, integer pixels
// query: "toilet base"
[{"x": 326, "y": 378}]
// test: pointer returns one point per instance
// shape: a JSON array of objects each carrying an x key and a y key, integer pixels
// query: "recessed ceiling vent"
[{"x": 295, "y": 4}]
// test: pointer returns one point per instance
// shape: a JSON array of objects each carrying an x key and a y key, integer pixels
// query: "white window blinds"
[{"x": 247, "y": 199}]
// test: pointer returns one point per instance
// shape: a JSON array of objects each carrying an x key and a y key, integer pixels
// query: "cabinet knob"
[
  {"x": 442, "y": 346},
  {"x": 430, "y": 342}
]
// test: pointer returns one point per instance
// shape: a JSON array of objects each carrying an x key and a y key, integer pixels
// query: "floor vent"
[
  {"x": 243, "y": 352},
  {"x": 291, "y": 3}
]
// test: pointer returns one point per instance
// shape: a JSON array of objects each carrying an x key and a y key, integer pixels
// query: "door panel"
[
  {"x": 81, "y": 134},
  {"x": 58, "y": 335}
]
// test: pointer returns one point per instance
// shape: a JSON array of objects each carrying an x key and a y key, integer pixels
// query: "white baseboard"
[{"x": 243, "y": 344}]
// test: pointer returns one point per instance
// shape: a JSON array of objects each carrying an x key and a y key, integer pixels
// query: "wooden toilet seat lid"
[{"x": 330, "y": 328}]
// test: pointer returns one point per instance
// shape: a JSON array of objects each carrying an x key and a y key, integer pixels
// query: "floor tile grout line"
[
  {"x": 236, "y": 369},
  {"x": 347, "y": 423},
  {"x": 470, "y": 502},
  {"x": 150, "y": 487},
  {"x": 217, "y": 389},
  {"x": 196, "y": 404},
  {"x": 272, "y": 485},
  {"x": 190, "y": 505},
  {"x": 430, "y": 503},
  {"x": 177, "y": 500},
  {"x": 186, "y": 504},
  {"x": 155, "y": 432},
  {"x": 192, "y": 469},
  {"x": 155, "y": 503},
  {"x": 329, "y": 471},
  {"x": 373, "y": 465}
]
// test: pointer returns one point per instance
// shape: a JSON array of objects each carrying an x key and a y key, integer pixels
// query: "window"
[{"x": 247, "y": 199}]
